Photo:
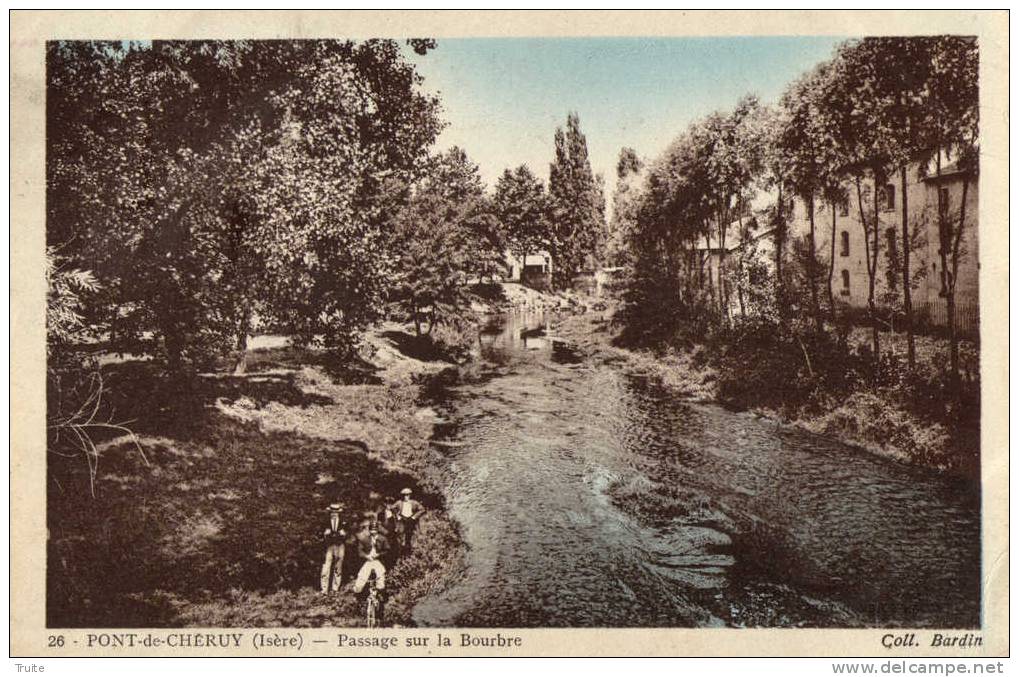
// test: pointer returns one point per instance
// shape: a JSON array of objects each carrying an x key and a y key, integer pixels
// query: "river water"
[{"x": 592, "y": 497}]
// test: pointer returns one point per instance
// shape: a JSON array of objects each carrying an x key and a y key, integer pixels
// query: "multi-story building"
[{"x": 926, "y": 194}]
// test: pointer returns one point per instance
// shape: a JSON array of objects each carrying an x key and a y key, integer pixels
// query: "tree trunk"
[
  {"x": 953, "y": 337},
  {"x": 173, "y": 344},
  {"x": 700, "y": 270},
  {"x": 812, "y": 270},
  {"x": 831, "y": 265},
  {"x": 953, "y": 343},
  {"x": 871, "y": 300},
  {"x": 179, "y": 375},
  {"x": 711, "y": 284},
  {"x": 723, "y": 292},
  {"x": 871, "y": 256},
  {"x": 241, "y": 361},
  {"x": 417, "y": 317},
  {"x": 740, "y": 269},
  {"x": 907, "y": 293},
  {"x": 779, "y": 244},
  {"x": 114, "y": 321},
  {"x": 691, "y": 271}
]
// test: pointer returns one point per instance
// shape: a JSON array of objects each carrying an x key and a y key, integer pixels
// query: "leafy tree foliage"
[
  {"x": 629, "y": 176},
  {"x": 65, "y": 323},
  {"x": 837, "y": 134},
  {"x": 629, "y": 163},
  {"x": 893, "y": 101},
  {"x": 207, "y": 183},
  {"x": 521, "y": 206},
  {"x": 445, "y": 232},
  {"x": 813, "y": 162}
]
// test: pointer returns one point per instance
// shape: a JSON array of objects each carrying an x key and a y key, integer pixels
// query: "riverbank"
[
  {"x": 215, "y": 519},
  {"x": 873, "y": 418},
  {"x": 594, "y": 335}
]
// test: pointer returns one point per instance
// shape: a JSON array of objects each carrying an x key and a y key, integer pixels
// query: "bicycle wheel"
[{"x": 372, "y": 607}]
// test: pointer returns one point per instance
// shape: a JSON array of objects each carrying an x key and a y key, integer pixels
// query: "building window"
[
  {"x": 844, "y": 208},
  {"x": 890, "y": 240},
  {"x": 943, "y": 200},
  {"x": 845, "y": 283},
  {"x": 893, "y": 253},
  {"x": 845, "y": 243},
  {"x": 889, "y": 197}
]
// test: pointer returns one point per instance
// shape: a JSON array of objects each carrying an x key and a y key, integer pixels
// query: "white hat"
[{"x": 406, "y": 491}]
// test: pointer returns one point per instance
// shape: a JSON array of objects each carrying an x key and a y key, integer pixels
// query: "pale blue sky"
[{"x": 503, "y": 98}]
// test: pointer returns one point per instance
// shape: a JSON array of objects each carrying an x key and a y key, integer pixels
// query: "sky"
[{"x": 504, "y": 97}]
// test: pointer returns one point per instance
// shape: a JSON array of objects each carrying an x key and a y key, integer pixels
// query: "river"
[{"x": 593, "y": 497}]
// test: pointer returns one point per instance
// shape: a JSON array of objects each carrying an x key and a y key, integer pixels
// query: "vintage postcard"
[{"x": 509, "y": 333}]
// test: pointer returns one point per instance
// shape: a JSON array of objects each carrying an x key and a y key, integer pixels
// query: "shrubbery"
[
  {"x": 815, "y": 377},
  {"x": 453, "y": 341},
  {"x": 825, "y": 380},
  {"x": 653, "y": 315}
]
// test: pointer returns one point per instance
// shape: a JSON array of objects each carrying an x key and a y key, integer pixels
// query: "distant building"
[
  {"x": 926, "y": 195},
  {"x": 534, "y": 271},
  {"x": 850, "y": 283},
  {"x": 711, "y": 255}
]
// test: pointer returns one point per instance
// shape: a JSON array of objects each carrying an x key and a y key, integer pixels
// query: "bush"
[
  {"x": 762, "y": 363},
  {"x": 653, "y": 315},
  {"x": 453, "y": 341}
]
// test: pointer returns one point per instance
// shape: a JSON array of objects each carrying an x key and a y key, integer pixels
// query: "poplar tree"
[{"x": 576, "y": 205}]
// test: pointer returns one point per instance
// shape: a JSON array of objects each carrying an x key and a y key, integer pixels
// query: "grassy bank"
[
  {"x": 908, "y": 416},
  {"x": 594, "y": 334},
  {"x": 216, "y": 520},
  {"x": 902, "y": 416}
]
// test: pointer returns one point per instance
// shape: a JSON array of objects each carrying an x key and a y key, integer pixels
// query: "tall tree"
[
  {"x": 625, "y": 199},
  {"x": 629, "y": 163},
  {"x": 776, "y": 176},
  {"x": 576, "y": 204},
  {"x": 951, "y": 130},
  {"x": 803, "y": 137},
  {"x": 734, "y": 162},
  {"x": 855, "y": 74},
  {"x": 437, "y": 237},
  {"x": 895, "y": 100},
  {"x": 520, "y": 205},
  {"x": 666, "y": 282}
]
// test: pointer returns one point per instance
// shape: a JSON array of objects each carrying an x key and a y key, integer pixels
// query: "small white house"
[{"x": 534, "y": 270}]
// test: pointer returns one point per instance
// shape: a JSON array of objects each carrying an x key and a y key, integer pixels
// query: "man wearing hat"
[
  {"x": 368, "y": 519},
  {"x": 386, "y": 516},
  {"x": 408, "y": 511},
  {"x": 334, "y": 537},
  {"x": 372, "y": 546}
]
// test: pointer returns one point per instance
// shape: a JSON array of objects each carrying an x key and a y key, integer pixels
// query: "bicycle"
[{"x": 373, "y": 604}]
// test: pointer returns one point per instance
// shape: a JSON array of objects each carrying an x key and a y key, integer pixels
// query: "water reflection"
[{"x": 504, "y": 337}]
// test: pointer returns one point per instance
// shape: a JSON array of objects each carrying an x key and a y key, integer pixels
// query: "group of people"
[{"x": 397, "y": 520}]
